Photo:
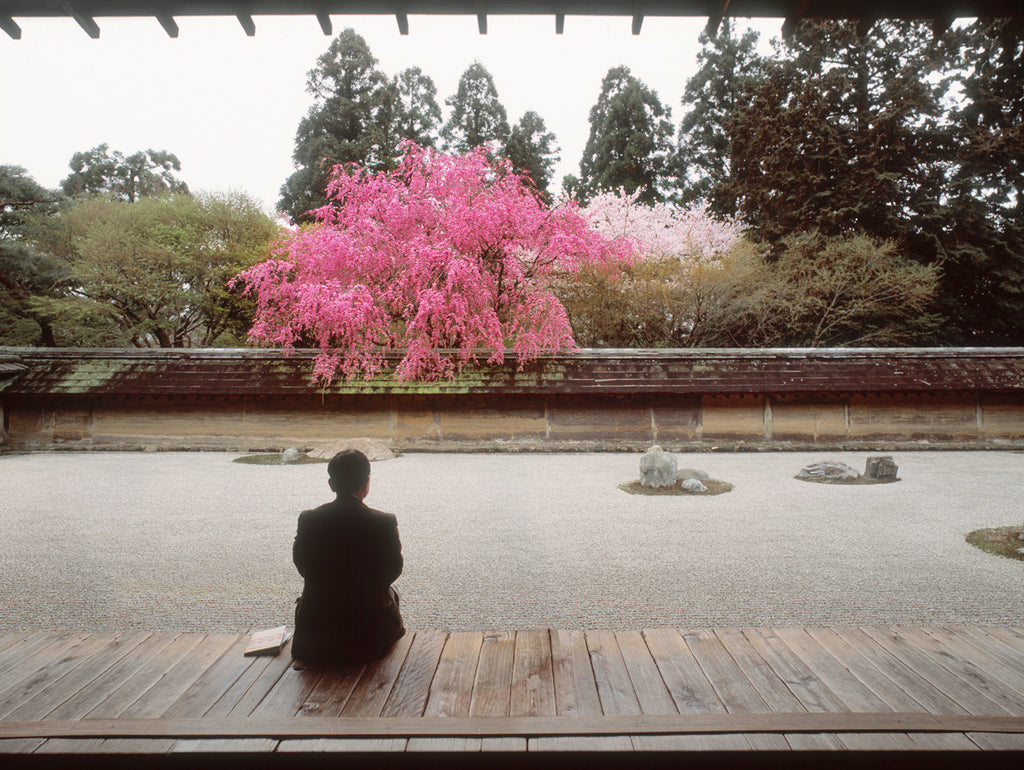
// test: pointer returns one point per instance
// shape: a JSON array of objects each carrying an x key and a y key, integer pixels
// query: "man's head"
[{"x": 349, "y": 473}]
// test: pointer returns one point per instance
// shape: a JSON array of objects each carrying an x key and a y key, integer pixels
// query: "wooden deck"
[{"x": 538, "y": 693}]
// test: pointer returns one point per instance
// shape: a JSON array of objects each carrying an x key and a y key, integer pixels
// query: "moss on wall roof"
[{"x": 249, "y": 372}]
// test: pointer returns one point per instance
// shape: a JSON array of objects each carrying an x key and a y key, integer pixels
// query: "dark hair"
[{"x": 349, "y": 471}]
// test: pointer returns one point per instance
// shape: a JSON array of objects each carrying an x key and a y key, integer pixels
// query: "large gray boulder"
[
  {"x": 828, "y": 470},
  {"x": 882, "y": 468},
  {"x": 658, "y": 468}
]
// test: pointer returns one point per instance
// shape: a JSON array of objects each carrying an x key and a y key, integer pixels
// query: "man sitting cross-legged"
[{"x": 348, "y": 555}]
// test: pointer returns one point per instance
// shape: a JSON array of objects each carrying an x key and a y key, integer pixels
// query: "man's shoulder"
[{"x": 382, "y": 516}]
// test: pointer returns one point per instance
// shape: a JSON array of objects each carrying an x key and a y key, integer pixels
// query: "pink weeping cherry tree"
[{"x": 445, "y": 259}]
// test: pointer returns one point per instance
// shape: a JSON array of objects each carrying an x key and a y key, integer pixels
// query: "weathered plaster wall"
[{"x": 519, "y": 423}]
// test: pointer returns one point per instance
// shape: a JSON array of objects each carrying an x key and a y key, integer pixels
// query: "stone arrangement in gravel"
[
  {"x": 660, "y": 475},
  {"x": 877, "y": 470}
]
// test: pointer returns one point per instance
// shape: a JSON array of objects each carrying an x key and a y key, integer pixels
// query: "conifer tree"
[
  {"x": 730, "y": 68},
  {"x": 531, "y": 148},
  {"x": 630, "y": 140},
  {"x": 477, "y": 115},
  {"x": 345, "y": 124}
]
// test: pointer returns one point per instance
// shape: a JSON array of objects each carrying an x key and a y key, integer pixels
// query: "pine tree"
[
  {"x": 417, "y": 114},
  {"x": 345, "y": 124},
  {"x": 983, "y": 250},
  {"x": 477, "y": 115},
  {"x": 730, "y": 68},
  {"x": 531, "y": 148},
  {"x": 630, "y": 140},
  {"x": 844, "y": 134}
]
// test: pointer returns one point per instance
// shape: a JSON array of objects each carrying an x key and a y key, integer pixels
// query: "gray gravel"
[{"x": 195, "y": 542}]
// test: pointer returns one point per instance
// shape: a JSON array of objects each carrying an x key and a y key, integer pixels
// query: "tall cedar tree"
[
  {"x": 477, "y": 115},
  {"x": 344, "y": 125},
  {"x": 101, "y": 172},
  {"x": 24, "y": 270},
  {"x": 983, "y": 265},
  {"x": 532, "y": 148},
  {"x": 630, "y": 140},
  {"x": 417, "y": 113},
  {"x": 843, "y": 135},
  {"x": 730, "y": 68}
]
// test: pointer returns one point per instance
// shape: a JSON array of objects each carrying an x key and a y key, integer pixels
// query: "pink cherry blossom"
[
  {"x": 691, "y": 235},
  {"x": 446, "y": 259}
]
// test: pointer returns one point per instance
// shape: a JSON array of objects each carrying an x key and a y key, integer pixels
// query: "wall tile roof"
[{"x": 251, "y": 372}]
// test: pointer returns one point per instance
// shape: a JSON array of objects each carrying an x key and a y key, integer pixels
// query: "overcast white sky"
[{"x": 228, "y": 105}]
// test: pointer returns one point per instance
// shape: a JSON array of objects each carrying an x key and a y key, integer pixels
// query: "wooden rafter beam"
[
  {"x": 941, "y": 23},
  {"x": 638, "y": 22},
  {"x": 403, "y": 23},
  {"x": 245, "y": 19},
  {"x": 559, "y": 23},
  {"x": 864, "y": 25},
  {"x": 325, "y": 22},
  {"x": 10, "y": 26},
  {"x": 88, "y": 23},
  {"x": 715, "y": 18},
  {"x": 481, "y": 23},
  {"x": 797, "y": 11},
  {"x": 168, "y": 23}
]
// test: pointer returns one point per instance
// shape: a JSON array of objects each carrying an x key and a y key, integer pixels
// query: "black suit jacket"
[{"x": 348, "y": 555}]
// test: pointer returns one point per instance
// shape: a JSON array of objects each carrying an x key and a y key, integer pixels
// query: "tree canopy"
[
  {"x": 446, "y": 257},
  {"x": 630, "y": 140},
  {"x": 477, "y": 114},
  {"x": 531, "y": 148},
  {"x": 131, "y": 177},
  {"x": 151, "y": 273}
]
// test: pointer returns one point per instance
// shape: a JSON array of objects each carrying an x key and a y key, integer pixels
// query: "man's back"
[{"x": 348, "y": 555}]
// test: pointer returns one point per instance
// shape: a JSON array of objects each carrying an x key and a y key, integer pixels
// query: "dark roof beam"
[
  {"x": 10, "y": 26},
  {"x": 941, "y": 23},
  {"x": 88, "y": 23},
  {"x": 864, "y": 25},
  {"x": 168, "y": 23},
  {"x": 797, "y": 11},
  {"x": 403, "y": 23},
  {"x": 715, "y": 19},
  {"x": 559, "y": 23},
  {"x": 325, "y": 22},
  {"x": 638, "y": 22},
  {"x": 245, "y": 19}
]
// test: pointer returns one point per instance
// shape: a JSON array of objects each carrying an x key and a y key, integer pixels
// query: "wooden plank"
[
  {"x": 984, "y": 662},
  {"x": 757, "y": 670},
  {"x": 998, "y": 741},
  {"x": 973, "y": 700},
  {"x": 412, "y": 689},
  {"x": 138, "y": 680},
  {"x": 895, "y": 697},
  {"x": 201, "y": 696},
  {"x": 832, "y": 672},
  {"x": 32, "y": 644},
  {"x": 943, "y": 742},
  {"x": 648, "y": 685},
  {"x": 172, "y": 685},
  {"x": 575, "y": 688},
  {"x": 999, "y": 643},
  {"x": 905, "y": 678},
  {"x": 98, "y": 653},
  {"x": 575, "y": 695},
  {"x": 613, "y": 682},
  {"x": 456, "y": 727},
  {"x": 533, "y": 679},
  {"x": 19, "y": 672},
  {"x": 372, "y": 690},
  {"x": 492, "y": 691},
  {"x": 875, "y": 741},
  {"x": 643, "y": 654},
  {"x": 734, "y": 689},
  {"x": 240, "y": 699},
  {"x": 800, "y": 680},
  {"x": 451, "y": 691}
]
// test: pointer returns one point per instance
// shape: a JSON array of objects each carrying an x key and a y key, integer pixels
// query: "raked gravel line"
[{"x": 195, "y": 542}]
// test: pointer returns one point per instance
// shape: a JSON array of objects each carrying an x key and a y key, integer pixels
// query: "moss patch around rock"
[
  {"x": 715, "y": 487},
  {"x": 276, "y": 460},
  {"x": 1002, "y": 541}
]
